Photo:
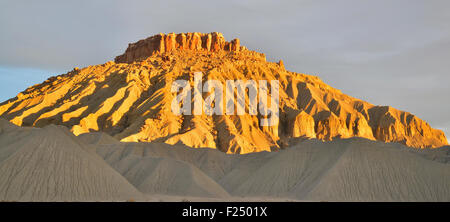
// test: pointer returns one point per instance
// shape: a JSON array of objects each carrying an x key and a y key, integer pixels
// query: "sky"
[{"x": 387, "y": 52}]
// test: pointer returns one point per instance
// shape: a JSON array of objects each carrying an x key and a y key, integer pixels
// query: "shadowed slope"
[
  {"x": 352, "y": 169},
  {"x": 50, "y": 164},
  {"x": 164, "y": 175}
]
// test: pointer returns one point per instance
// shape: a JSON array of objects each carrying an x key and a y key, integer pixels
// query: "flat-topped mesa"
[{"x": 211, "y": 42}]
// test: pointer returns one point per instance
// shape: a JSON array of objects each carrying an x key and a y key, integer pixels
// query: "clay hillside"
[{"x": 130, "y": 99}]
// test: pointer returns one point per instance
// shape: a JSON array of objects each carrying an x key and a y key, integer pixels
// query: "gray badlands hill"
[{"x": 50, "y": 164}]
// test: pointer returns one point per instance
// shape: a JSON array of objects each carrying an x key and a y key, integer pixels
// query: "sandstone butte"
[{"x": 130, "y": 99}]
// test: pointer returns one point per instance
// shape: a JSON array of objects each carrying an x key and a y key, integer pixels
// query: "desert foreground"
[{"x": 51, "y": 164}]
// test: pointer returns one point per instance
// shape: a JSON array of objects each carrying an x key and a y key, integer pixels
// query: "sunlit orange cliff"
[{"x": 131, "y": 97}]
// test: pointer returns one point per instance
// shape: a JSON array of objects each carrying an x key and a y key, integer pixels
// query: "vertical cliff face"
[
  {"x": 210, "y": 42},
  {"x": 131, "y": 98}
]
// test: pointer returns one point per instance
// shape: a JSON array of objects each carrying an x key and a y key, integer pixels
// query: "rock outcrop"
[
  {"x": 130, "y": 99},
  {"x": 210, "y": 42},
  {"x": 300, "y": 124}
]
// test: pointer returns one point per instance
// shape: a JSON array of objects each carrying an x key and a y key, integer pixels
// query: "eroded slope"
[{"x": 132, "y": 101}]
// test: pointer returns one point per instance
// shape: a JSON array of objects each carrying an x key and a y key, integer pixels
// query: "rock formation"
[
  {"x": 130, "y": 99},
  {"x": 211, "y": 42}
]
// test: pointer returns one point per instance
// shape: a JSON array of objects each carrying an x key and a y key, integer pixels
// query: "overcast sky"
[{"x": 387, "y": 52}]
